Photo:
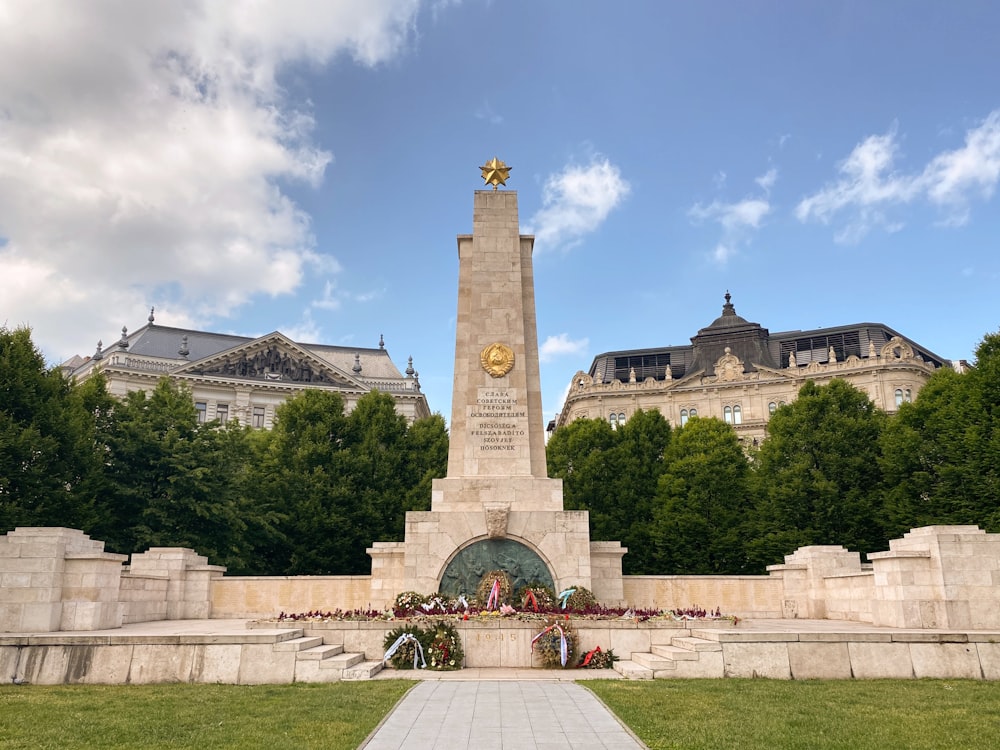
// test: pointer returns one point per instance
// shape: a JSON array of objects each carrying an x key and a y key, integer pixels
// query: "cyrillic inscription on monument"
[{"x": 498, "y": 422}]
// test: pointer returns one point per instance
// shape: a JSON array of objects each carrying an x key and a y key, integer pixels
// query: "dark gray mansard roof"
[{"x": 753, "y": 344}]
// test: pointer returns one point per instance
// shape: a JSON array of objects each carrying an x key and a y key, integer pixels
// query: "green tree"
[
  {"x": 940, "y": 454},
  {"x": 335, "y": 483},
  {"x": 817, "y": 475},
  {"x": 702, "y": 501},
  {"x": 613, "y": 474},
  {"x": 47, "y": 457},
  {"x": 173, "y": 481}
]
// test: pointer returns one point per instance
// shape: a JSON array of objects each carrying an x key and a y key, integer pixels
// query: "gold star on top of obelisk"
[{"x": 495, "y": 172}]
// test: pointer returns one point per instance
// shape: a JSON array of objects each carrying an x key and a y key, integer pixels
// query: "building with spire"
[
  {"x": 243, "y": 378},
  {"x": 740, "y": 372}
]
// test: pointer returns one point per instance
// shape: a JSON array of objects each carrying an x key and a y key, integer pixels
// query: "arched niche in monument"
[{"x": 463, "y": 573}]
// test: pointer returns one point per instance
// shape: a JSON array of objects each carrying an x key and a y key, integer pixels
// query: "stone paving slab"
[{"x": 501, "y": 715}]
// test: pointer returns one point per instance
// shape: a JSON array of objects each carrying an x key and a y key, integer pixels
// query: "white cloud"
[
  {"x": 142, "y": 151},
  {"x": 557, "y": 346},
  {"x": 869, "y": 185},
  {"x": 576, "y": 201},
  {"x": 737, "y": 220},
  {"x": 767, "y": 180}
]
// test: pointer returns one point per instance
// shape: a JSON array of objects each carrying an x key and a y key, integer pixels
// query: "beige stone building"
[
  {"x": 739, "y": 372},
  {"x": 246, "y": 379}
]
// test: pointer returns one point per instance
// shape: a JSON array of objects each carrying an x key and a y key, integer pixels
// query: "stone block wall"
[
  {"x": 57, "y": 579},
  {"x": 939, "y": 577},
  {"x": 933, "y": 577}
]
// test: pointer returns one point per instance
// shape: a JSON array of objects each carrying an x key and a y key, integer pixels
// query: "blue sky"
[{"x": 305, "y": 167}]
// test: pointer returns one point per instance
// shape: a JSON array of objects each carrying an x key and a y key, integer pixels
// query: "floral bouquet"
[
  {"x": 405, "y": 647},
  {"x": 555, "y": 645},
  {"x": 444, "y": 648},
  {"x": 494, "y": 589},
  {"x": 597, "y": 659},
  {"x": 409, "y": 601}
]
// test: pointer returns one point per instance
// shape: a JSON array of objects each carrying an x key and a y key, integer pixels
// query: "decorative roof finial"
[
  {"x": 728, "y": 309},
  {"x": 123, "y": 341},
  {"x": 99, "y": 354},
  {"x": 381, "y": 341},
  {"x": 184, "y": 351},
  {"x": 357, "y": 363},
  {"x": 150, "y": 318},
  {"x": 495, "y": 173},
  {"x": 409, "y": 367}
]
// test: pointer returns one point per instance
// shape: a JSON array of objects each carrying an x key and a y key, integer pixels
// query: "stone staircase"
[
  {"x": 317, "y": 662},
  {"x": 685, "y": 656}
]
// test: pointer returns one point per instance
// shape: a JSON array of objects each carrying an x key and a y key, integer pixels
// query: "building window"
[
  {"x": 772, "y": 407},
  {"x": 899, "y": 396},
  {"x": 737, "y": 414},
  {"x": 621, "y": 417},
  {"x": 614, "y": 421},
  {"x": 222, "y": 412},
  {"x": 908, "y": 396},
  {"x": 693, "y": 412},
  {"x": 684, "y": 417},
  {"x": 258, "y": 417},
  {"x": 202, "y": 410},
  {"x": 727, "y": 414}
]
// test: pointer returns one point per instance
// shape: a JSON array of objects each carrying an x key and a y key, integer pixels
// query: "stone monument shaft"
[{"x": 497, "y": 429}]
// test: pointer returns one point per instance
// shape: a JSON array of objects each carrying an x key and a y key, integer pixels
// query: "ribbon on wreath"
[
  {"x": 563, "y": 646},
  {"x": 564, "y": 597},
  {"x": 530, "y": 597},
  {"x": 494, "y": 601},
  {"x": 589, "y": 656},
  {"x": 418, "y": 650}
]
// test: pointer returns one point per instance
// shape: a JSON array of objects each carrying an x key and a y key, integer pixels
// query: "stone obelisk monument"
[{"x": 497, "y": 509}]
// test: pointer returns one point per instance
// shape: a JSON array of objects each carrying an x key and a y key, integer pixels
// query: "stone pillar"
[
  {"x": 939, "y": 577},
  {"x": 189, "y": 579},
  {"x": 497, "y": 488},
  {"x": 387, "y": 573},
  {"x": 55, "y": 579},
  {"x": 496, "y": 412},
  {"x": 803, "y": 576}
]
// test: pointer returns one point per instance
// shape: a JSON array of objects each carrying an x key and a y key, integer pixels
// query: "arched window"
[
  {"x": 899, "y": 396},
  {"x": 737, "y": 415},
  {"x": 684, "y": 417},
  {"x": 772, "y": 407},
  {"x": 727, "y": 414},
  {"x": 614, "y": 421},
  {"x": 621, "y": 417},
  {"x": 694, "y": 412},
  {"x": 908, "y": 396}
]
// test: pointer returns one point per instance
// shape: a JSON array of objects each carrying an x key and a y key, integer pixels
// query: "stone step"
[
  {"x": 364, "y": 670},
  {"x": 695, "y": 644},
  {"x": 630, "y": 670},
  {"x": 320, "y": 652},
  {"x": 298, "y": 644},
  {"x": 653, "y": 662},
  {"x": 674, "y": 653},
  {"x": 342, "y": 661}
]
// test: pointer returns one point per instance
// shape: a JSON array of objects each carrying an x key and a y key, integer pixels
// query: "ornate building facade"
[
  {"x": 245, "y": 379},
  {"x": 738, "y": 371}
]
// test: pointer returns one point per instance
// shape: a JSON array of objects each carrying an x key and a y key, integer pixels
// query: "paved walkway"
[{"x": 498, "y": 715}]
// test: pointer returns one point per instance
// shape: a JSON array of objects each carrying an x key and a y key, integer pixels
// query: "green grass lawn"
[
  {"x": 689, "y": 714},
  {"x": 777, "y": 714},
  {"x": 334, "y": 716}
]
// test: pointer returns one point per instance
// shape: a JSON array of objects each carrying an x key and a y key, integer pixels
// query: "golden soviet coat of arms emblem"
[{"x": 497, "y": 359}]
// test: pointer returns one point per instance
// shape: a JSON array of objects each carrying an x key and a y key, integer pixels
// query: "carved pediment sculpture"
[
  {"x": 729, "y": 367},
  {"x": 496, "y": 519},
  {"x": 272, "y": 359},
  {"x": 896, "y": 348}
]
